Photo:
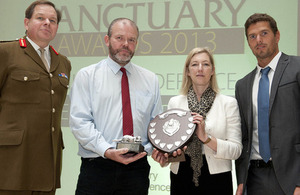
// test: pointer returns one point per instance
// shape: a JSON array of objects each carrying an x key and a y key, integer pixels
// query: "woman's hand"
[
  {"x": 200, "y": 131},
  {"x": 161, "y": 158}
]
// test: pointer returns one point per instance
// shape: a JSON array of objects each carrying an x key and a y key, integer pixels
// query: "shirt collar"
[
  {"x": 115, "y": 67},
  {"x": 272, "y": 64},
  {"x": 35, "y": 46}
]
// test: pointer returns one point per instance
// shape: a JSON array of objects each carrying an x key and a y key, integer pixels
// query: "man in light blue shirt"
[{"x": 96, "y": 116}]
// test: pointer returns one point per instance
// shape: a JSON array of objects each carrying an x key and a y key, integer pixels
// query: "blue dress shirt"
[{"x": 96, "y": 105}]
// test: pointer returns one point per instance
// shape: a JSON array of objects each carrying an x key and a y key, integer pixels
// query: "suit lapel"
[
  {"x": 249, "y": 102},
  {"x": 54, "y": 60},
  {"x": 282, "y": 63},
  {"x": 30, "y": 51}
]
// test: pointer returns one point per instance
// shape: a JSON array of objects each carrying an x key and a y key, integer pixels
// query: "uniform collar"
[{"x": 35, "y": 46}]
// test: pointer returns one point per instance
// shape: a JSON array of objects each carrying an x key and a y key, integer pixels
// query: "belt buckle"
[
  {"x": 257, "y": 164},
  {"x": 261, "y": 164}
]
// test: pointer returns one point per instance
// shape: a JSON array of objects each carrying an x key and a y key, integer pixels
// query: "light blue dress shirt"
[{"x": 96, "y": 105}]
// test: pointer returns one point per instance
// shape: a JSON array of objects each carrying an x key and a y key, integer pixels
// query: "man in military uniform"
[{"x": 34, "y": 81}]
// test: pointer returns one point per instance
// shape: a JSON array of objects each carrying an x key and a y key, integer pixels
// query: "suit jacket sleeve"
[{"x": 241, "y": 164}]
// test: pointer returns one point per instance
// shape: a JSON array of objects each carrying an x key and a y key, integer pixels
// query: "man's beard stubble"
[{"x": 120, "y": 59}]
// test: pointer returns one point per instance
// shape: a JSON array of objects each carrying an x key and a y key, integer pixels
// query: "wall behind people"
[{"x": 168, "y": 31}]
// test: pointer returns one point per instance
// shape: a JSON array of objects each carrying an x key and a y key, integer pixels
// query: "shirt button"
[
  {"x": 53, "y": 110},
  {"x": 53, "y": 129},
  {"x": 51, "y": 75},
  {"x": 25, "y": 78},
  {"x": 52, "y": 92}
]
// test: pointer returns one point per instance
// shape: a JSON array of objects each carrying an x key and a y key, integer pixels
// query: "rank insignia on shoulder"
[
  {"x": 63, "y": 75},
  {"x": 22, "y": 42}
]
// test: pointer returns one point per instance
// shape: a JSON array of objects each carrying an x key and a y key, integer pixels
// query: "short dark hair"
[
  {"x": 109, "y": 32},
  {"x": 260, "y": 17},
  {"x": 29, "y": 11}
]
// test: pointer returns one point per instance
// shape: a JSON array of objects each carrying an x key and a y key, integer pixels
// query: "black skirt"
[{"x": 215, "y": 184}]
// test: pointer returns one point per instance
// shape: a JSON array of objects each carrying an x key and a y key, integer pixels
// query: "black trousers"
[
  {"x": 262, "y": 180},
  {"x": 103, "y": 176},
  {"x": 215, "y": 184}
]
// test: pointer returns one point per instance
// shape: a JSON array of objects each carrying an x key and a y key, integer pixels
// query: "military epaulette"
[
  {"x": 54, "y": 50},
  {"x": 22, "y": 42},
  {"x": 6, "y": 41}
]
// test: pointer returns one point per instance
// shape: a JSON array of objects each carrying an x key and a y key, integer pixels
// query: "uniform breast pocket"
[
  {"x": 22, "y": 87},
  {"x": 64, "y": 82}
]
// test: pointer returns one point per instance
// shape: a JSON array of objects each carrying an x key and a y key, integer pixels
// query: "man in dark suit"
[
  {"x": 33, "y": 87},
  {"x": 270, "y": 164}
]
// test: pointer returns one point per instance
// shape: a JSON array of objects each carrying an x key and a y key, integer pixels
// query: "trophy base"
[
  {"x": 179, "y": 158},
  {"x": 132, "y": 147}
]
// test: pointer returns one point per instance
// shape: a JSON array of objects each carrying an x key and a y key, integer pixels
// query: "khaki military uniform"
[{"x": 31, "y": 102}]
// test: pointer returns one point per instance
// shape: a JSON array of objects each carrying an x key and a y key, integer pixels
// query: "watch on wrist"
[{"x": 208, "y": 139}]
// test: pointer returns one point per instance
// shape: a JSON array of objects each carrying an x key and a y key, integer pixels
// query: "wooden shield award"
[{"x": 171, "y": 130}]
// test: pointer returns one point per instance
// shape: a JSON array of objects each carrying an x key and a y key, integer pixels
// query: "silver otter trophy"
[{"x": 134, "y": 144}]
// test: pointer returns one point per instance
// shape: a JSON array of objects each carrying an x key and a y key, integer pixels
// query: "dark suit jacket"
[
  {"x": 31, "y": 102},
  {"x": 284, "y": 122}
]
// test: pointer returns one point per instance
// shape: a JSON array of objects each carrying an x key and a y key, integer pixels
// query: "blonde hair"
[{"x": 187, "y": 81}]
